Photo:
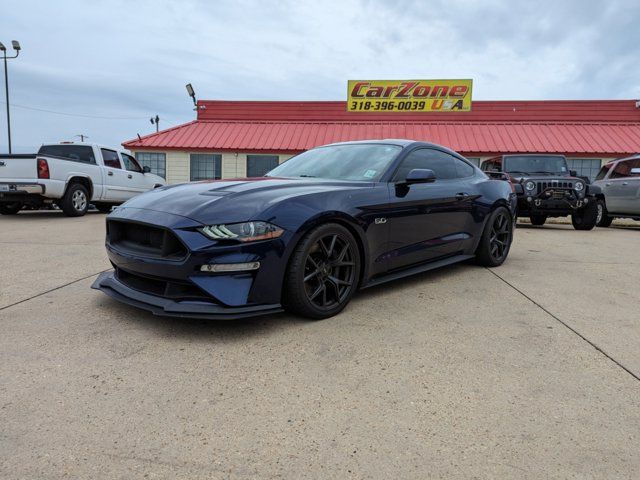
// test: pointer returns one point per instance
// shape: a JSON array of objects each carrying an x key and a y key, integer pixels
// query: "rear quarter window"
[{"x": 77, "y": 153}]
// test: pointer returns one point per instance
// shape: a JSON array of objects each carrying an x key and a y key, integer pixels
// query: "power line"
[{"x": 75, "y": 114}]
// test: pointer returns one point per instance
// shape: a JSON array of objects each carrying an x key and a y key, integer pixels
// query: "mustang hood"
[{"x": 237, "y": 200}]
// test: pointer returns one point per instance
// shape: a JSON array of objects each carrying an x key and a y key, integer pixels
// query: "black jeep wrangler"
[{"x": 547, "y": 188}]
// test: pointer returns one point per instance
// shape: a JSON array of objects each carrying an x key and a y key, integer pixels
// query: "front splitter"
[{"x": 110, "y": 285}]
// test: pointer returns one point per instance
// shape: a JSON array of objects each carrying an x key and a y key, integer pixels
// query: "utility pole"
[
  {"x": 155, "y": 121},
  {"x": 3, "y": 49},
  {"x": 82, "y": 136}
]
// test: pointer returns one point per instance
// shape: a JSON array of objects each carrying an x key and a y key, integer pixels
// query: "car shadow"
[
  {"x": 203, "y": 330},
  {"x": 197, "y": 330}
]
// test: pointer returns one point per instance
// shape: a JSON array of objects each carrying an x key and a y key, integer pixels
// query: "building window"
[
  {"x": 157, "y": 162},
  {"x": 259, "y": 165},
  {"x": 474, "y": 160},
  {"x": 586, "y": 167},
  {"x": 205, "y": 166}
]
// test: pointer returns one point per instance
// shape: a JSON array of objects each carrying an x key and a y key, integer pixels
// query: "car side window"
[
  {"x": 622, "y": 170},
  {"x": 492, "y": 165},
  {"x": 635, "y": 163},
  {"x": 603, "y": 171},
  {"x": 130, "y": 163},
  {"x": 445, "y": 166},
  {"x": 110, "y": 158}
]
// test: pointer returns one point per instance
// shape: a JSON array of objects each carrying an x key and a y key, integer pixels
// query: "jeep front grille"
[{"x": 542, "y": 186}]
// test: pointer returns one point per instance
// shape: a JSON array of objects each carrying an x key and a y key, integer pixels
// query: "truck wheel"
[
  {"x": 603, "y": 219},
  {"x": 496, "y": 239},
  {"x": 586, "y": 217},
  {"x": 10, "y": 208},
  {"x": 538, "y": 219},
  {"x": 75, "y": 202}
]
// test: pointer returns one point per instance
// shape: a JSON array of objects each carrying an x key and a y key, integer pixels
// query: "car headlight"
[
  {"x": 529, "y": 185},
  {"x": 243, "y": 232},
  {"x": 579, "y": 186}
]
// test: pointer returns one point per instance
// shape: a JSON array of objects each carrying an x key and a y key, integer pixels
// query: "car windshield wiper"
[
  {"x": 304, "y": 175},
  {"x": 547, "y": 173}
]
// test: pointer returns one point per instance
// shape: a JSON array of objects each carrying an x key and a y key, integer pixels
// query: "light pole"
[
  {"x": 155, "y": 121},
  {"x": 3, "y": 49}
]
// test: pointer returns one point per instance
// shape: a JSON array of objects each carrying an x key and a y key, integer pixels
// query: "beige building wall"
[{"x": 234, "y": 165}]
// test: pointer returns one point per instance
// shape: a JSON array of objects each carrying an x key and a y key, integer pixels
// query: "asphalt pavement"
[{"x": 529, "y": 370}]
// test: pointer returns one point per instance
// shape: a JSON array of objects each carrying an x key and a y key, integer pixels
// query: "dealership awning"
[{"x": 608, "y": 128}]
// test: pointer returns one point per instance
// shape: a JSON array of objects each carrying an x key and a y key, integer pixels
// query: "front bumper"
[{"x": 109, "y": 284}]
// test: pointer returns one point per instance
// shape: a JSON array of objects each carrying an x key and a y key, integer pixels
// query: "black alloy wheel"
[
  {"x": 329, "y": 271},
  {"x": 323, "y": 272},
  {"x": 496, "y": 239}
]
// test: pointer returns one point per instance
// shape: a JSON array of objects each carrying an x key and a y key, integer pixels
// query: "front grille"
[
  {"x": 144, "y": 240},
  {"x": 542, "y": 186},
  {"x": 172, "y": 289}
]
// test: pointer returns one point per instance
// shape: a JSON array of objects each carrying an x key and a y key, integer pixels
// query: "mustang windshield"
[
  {"x": 535, "y": 164},
  {"x": 359, "y": 162}
]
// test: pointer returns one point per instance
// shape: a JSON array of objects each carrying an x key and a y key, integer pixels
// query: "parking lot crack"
[
  {"x": 566, "y": 325},
  {"x": 52, "y": 290}
]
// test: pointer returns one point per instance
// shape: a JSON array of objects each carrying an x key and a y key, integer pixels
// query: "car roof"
[
  {"x": 632, "y": 157},
  {"x": 401, "y": 142}
]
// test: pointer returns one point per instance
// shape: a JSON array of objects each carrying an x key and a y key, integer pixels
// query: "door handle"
[
  {"x": 129, "y": 176},
  {"x": 608, "y": 184},
  {"x": 461, "y": 195},
  {"x": 625, "y": 183},
  {"x": 110, "y": 174}
]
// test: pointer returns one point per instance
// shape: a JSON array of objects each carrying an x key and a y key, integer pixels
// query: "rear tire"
[
  {"x": 75, "y": 202},
  {"x": 323, "y": 273},
  {"x": 496, "y": 239},
  {"x": 603, "y": 219},
  {"x": 10, "y": 208},
  {"x": 538, "y": 219},
  {"x": 586, "y": 217},
  {"x": 103, "y": 207}
]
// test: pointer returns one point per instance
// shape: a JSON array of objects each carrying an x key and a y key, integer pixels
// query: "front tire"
[
  {"x": 586, "y": 217},
  {"x": 75, "y": 202},
  {"x": 603, "y": 219},
  {"x": 323, "y": 273},
  {"x": 496, "y": 239},
  {"x": 10, "y": 208},
  {"x": 538, "y": 219}
]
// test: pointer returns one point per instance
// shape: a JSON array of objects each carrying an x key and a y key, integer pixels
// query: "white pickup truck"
[{"x": 72, "y": 175}]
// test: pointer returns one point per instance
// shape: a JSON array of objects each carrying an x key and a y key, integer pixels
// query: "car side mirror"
[
  {"x": 420, "y": 175},
  {"x": 146, "y": 169},
  {"x": 635, "y": 171},
  {"x": 573, "y": 173}
]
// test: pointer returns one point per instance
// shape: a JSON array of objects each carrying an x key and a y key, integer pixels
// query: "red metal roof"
[{"x": 572, "y": 127}]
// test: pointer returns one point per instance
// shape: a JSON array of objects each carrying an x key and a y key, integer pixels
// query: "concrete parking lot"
[{"x": 530, "y": 370}]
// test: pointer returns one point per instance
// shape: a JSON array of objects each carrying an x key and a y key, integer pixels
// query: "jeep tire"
[
  {"x": 586, "y": 217},
  {"x": 538, "y": 219}
]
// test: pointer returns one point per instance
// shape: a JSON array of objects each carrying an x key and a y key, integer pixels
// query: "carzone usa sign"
[{"x": 409, "y": 96}]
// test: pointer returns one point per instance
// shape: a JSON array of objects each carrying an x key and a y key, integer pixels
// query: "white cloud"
[{"x": 132, "y": 59}]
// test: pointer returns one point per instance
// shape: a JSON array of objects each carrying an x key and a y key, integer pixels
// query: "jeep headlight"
[
  {"x": 242, "y": 232},
  {"x": 579, "y": 186},
  {"x": 529, "y": 185}
]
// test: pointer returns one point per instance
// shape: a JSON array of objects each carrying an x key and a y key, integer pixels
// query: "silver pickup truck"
[{"x": 72, "y": 175}]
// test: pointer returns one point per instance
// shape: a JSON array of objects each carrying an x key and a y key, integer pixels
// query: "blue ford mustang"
[{"x": 305, "y": 237}]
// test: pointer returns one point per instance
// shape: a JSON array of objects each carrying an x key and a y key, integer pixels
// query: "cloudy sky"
[{"x": 107, "y": 66}]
